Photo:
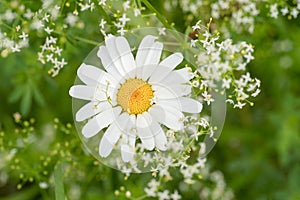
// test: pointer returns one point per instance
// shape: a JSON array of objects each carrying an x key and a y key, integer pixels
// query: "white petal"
[
  {"x": 105, "y": 147},
  {"x": 177, "y": 76},
  {"x": 146, "y": 71},
  {"x": 171, "y": 91},
  {"x": 126, "y": 57},
  {"x": 85, "y": 79},
  {"x": 90, "y": 109},
  {"x": 181, "y": 89},
  {"x": 190, "y": 105},
  {"x": 172, "y": 61},
  {"x": 122, "y": 122},
  {"x": 90, "y": 72},
  {"x": 168, "y": 116},
  {"x": 143, "y": 123},
  {"x": 126, "y": 153},
  {"x": 165, "y": 67},
  {"x": 108, "y": 64},
  {"x": 100, "y": 121},
  {"x": 163, "y": 92},
  {"x": 131, "y": 140},
  {"x": 148, "y": 53},
  {"x": 82, "y": 92},
  {"x": 175, "y": 103},
  {"x": 159, "y": 136},
  {"x": 114, "y": 53},
  {"x": 110, "y": 137}
]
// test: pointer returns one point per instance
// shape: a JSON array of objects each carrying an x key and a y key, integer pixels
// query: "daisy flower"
[{"x": 133, "y": 98}]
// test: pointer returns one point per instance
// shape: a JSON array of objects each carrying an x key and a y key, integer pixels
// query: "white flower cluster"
[
  {"x": 242, "y": 19},
  {"x": 50, "y": 53},
  {"x": 236, "y": 15},
  {"x": 128, "y": 10},
  {"x": 192, "y": 174},
  {"x": 221, "y": 66},
  {"x": 291, "y": 11}
]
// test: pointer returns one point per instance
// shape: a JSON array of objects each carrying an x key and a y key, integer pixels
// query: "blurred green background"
[{"x": 258, "y": 151}]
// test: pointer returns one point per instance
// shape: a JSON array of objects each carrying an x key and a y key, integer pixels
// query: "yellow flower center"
[{"x": 134, "y": 96}]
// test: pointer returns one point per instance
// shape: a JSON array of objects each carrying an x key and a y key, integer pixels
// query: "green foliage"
[{"x": 42, "y": 158}]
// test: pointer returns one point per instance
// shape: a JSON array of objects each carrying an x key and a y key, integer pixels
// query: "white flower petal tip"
[
  {"x": 189, "y": 105},
  {"x": 127, "y": 153},
  {"x": 109, "y": 139},
  {"x": 149, "y": 53},
  {"x": 172, "y": 61},
  {"x": 105, "y": 147},
  {"x": 100, "y": 121}
]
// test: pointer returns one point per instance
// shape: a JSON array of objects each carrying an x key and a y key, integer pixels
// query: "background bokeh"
[{"x": 257, "y": 153}]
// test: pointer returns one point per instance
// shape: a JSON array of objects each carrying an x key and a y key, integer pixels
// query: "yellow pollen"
[{"x": 134, "y": 96}]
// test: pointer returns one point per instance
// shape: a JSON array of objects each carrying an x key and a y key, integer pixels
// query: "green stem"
[
  {"x": 105, "y": 15},
  {"x": 59, "y": 181},
  {"x": 159, "y": 16},
  {"x": 85, "y": 40}
]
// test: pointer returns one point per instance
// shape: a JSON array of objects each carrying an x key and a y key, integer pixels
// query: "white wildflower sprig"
[{"x": 221, "y": 67}]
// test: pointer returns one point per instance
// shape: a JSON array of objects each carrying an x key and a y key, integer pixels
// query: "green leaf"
[
  {"x": 26, "y": 102},
  {"x": 16, "y": 94},
  {"x": 38, "y": 97},
  {"x": 58, "y": 180}
]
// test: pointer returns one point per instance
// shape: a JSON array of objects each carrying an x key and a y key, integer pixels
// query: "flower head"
[{"x": 133, "y": 98}]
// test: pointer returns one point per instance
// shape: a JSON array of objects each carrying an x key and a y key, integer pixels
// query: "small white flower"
[
  {"x": 207, "y": 97},
  {"x": 239, "y": 105},
  {"x": 284, "y": 11},
  {"x": 23, "y": 36},
  {"x": 163, "y": 195},
  {"x": 294, "y": 13},
  {"x": 124, "y": 19},
  {"x": 137, "y": 12},
  {"x": 102, "y": 3},
  {"x": 48, "y": 30},
  {"x": 175, "y": 196},
  {"x": 126, "y": 5},
  {"x": 43, "y": 185},
  {"x": 162, "y": 31},
  {"x": 120, "y": 97}
]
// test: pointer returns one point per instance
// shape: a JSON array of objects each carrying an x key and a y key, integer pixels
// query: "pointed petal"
[
  {"x": 127, "y": 153},
  {"x": 190, "y": 105},
  {"x": 110, "y": 137},
  {"x": 100, "y": 121},
  {"x": 143, "y": 122},
  {"x": 90, "y": 109}
]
